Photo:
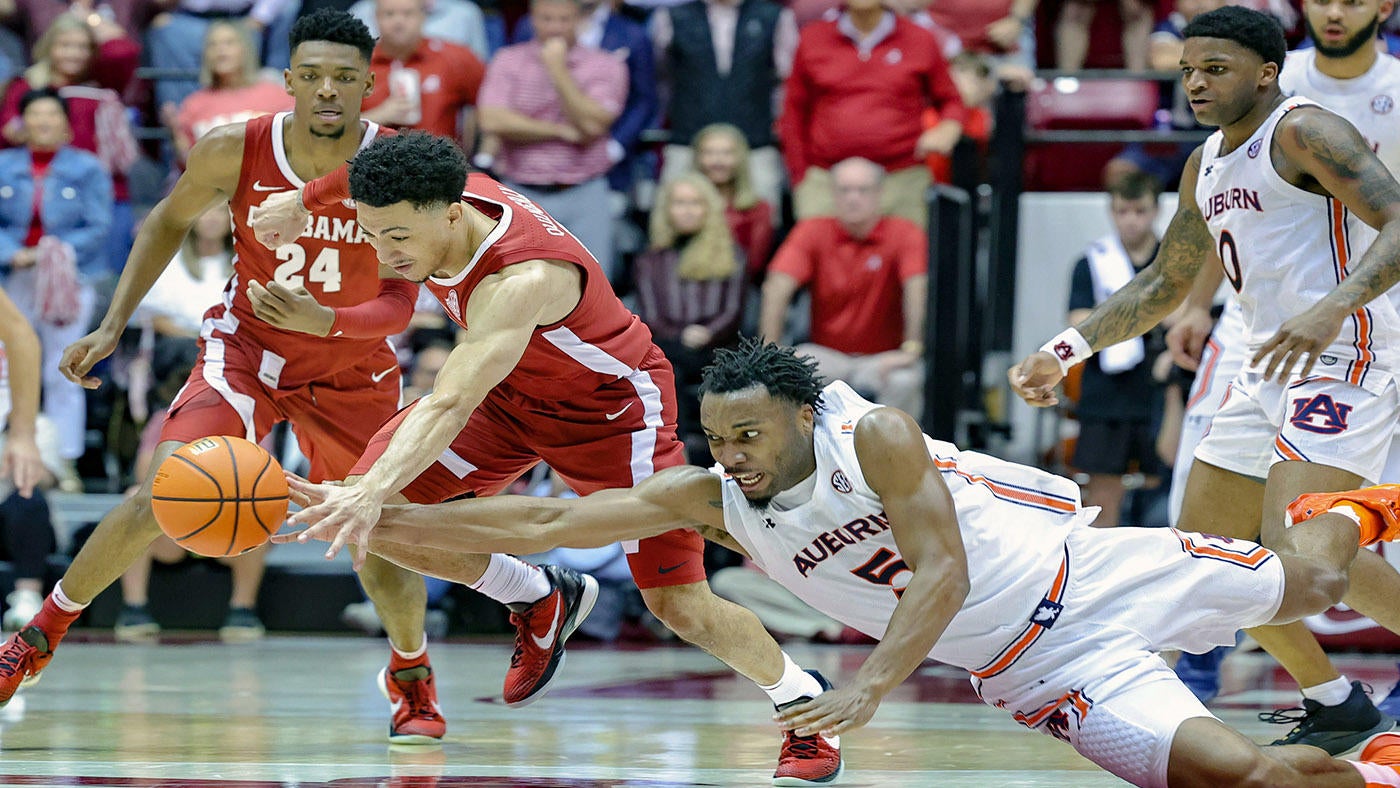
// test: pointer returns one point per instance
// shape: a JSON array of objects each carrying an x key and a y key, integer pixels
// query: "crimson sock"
[{"x": 54, "y": 621}]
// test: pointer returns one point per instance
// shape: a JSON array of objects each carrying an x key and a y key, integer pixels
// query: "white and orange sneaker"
[
  {"x": 1380, "y": 761},
  {"x": 413, "y": 697},
  {"x": 1377, "y": 508},
  {"x": 808, "y": 760},
  {"x": 541, "y": 628}
]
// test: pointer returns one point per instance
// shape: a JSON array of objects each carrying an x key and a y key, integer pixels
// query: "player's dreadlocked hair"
[
  {"x": 1252, "y": 30},
  {"x": 415, "y": 167},
  {"x": 336, "y": 27},
  {"x": 754, "y": 362}
]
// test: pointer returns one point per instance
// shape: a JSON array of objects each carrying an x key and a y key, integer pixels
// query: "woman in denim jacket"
[{"x": 55, "y": 208}]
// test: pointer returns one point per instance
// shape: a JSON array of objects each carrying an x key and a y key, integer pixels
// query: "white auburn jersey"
[
  {"x": 1368, "y": 102},
  {"x": 1284, "y": 248},
  {"x": 836, "y": 552}
]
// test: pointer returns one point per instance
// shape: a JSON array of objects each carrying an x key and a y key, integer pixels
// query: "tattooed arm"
[
  {"x": 1322, "y": 152},
  {"x": 1138, "y": 305}
]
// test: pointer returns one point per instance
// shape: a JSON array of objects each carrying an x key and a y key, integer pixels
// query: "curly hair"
[
  {"x": 1253, "y": 30},
  {"x": 414, "y": 167},
  {"x": 753, "y": 362},
  {"x": 709, "y": 254},
  {"x": 335, "y": 27}
]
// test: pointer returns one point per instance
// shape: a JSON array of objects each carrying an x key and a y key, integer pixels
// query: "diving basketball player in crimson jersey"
[
  {"x": 553, "y": 368},
  {"x": 299, "y": 336}
]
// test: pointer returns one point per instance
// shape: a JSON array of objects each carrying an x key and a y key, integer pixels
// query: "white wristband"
[{"x": 1069, "y": 347}]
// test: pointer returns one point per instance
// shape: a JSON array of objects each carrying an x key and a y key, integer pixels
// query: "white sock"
[
  {"x": 795, "y": 683},
  {"x": 509, "y": 580},
  {"x": 64, "y": 603},
  {"x": 1377, "y": 774},
  {"x": 1331, "y": 693},
  {"x": 411, "y": 655}
]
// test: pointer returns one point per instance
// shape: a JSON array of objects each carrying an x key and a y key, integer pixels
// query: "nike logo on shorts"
[
  {"x": 378, "y": 376},
  {"x": 613, "y": 416}
]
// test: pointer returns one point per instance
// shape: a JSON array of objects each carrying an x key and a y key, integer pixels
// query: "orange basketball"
[{"x": 219, "y": 496}]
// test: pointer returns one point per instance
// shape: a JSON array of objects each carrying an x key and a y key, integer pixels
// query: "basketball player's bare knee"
[
  {"x": 1309, "y": 587},
  {"x": 681, "y": 608}
]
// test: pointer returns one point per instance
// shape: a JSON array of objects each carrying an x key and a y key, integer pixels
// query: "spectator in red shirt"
[
  {"x": 690, "y": 285},
  {"x": 721, "y": 154},
  {"x": 231, "y": 88},
  {"x": 859, "y": 86},
  {"x": 868, "y": 278},
  {"x": 421, "y": 83}
]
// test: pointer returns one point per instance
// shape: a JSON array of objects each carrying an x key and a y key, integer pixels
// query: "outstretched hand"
[
  {"x": 339, "y": 514},
  {"x": 1035, "y": 378},
  {"x": 831, "y": 713}
]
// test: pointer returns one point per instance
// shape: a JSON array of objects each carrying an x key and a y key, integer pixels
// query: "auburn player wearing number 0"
[
  {"x": 299, "y": 336},
  {"x": 1305, "y": 219}
]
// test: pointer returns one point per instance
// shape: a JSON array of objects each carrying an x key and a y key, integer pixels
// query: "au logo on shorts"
[{"x": 1320, "y": 414}]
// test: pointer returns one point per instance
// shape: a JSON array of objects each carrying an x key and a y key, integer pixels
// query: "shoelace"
[
  {"x": 522, "y": 622},
  {"x": 13, "y": 656},
  {"x": 419, "y": 705},
  {"x": 1296, "y": 714},
  {"x": 802, "y": 746}
]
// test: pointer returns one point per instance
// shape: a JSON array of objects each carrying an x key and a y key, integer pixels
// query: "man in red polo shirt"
[
  {"x": 860, "y": 84},
  {"x": 868, "y": 277},
  {"x": 422, "y": 83}
]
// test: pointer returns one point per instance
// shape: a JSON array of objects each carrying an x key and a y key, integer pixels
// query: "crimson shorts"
[
  {"x": 613, "y": 437},
  {"x": 333, "y": 417}
]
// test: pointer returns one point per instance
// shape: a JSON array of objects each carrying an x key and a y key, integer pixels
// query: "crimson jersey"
[
  {"x": 599, "y": 341},
  {"x": 331, "y": 259}
]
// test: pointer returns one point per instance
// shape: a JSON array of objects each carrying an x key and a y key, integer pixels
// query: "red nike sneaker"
[
  {"x": 541, "y": 628},
  {"x": 22, "y": 658},
  {"x": 1378, "y": 508},
  {"x": 413, "y": 697},
  {"x": 808, "y": 760}
]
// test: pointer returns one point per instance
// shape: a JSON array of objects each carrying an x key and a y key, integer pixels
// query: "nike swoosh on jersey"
[
  {"x": 378, "y": 376},
  {"x": 613, "y": 416},
  {"x": 547, "y": 643},
  {"x": 258, "y": 187}
]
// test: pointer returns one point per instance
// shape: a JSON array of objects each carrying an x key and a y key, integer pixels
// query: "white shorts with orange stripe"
[
  {"x": 1222, "y": 358},
  {"x": 1093, "y": 677},
  {"x": 1316, "y": 419}
]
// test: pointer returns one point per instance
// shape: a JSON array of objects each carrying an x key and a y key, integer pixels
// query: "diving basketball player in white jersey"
[
  {"x": 1346, "y": 74},
  {"x": 1306, "y": 221},
  {"x": 975, "y": 562}
]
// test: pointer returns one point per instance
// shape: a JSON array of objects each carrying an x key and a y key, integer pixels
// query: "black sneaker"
[
  {"x": 1335, "y": 729},
  {"x": 541, "y": 627},
  {"x": 135, "y": 625}
]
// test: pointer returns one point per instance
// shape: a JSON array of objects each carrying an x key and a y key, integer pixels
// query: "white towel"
[{"x": 1111, "y": 268}]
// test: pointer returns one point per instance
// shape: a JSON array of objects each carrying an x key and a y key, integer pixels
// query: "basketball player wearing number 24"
[
  {"x": 298, "y": 335},
  {"x": 953, "y": 555},
  {"x": 552, "y": 368},
  {"x": 1305, "y": 220}
]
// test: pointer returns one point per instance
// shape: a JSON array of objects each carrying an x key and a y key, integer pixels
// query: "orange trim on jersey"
[
  {"x": 1206, "y": 375},
  {"x": 1015, "y": 494},
  {"x": 1285, "y": 451},
  {"x": 1251, "y": 559},
  {"x": 1032, "y": 632},
  {"x": 1080, "y": 705},
  {"x": 1342, "y": 255}
]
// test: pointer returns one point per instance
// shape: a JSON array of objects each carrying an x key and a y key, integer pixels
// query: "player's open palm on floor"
[
  {"x": 831, "y": 713},
  {"x": 339, "y": 514}
]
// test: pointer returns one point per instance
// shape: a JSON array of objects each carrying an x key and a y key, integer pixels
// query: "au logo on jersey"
[
  {"x": 840, "y": 483},
  {"x": 1320, "y": 414}
]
